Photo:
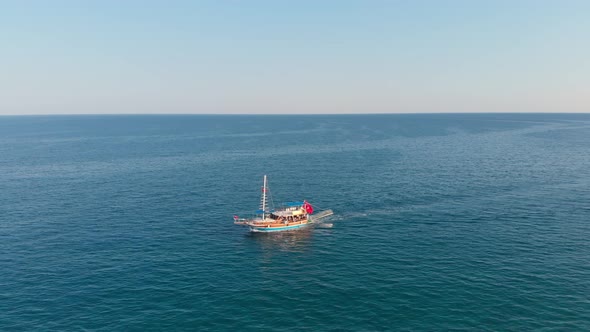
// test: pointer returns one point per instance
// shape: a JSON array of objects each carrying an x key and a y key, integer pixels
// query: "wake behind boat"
[{"x": 292, "y": 215}]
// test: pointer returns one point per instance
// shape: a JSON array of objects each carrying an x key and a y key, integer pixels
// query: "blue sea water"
[{"x": 450, "y": 221}]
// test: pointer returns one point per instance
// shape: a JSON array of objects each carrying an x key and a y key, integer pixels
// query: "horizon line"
[{"x": 276, "y": 114}]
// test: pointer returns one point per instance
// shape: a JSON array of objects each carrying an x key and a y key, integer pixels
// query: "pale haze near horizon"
[{"x": 225, "y": 57}]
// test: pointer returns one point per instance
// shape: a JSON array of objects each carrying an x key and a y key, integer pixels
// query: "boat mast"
[{"x": 264, "y": 198}]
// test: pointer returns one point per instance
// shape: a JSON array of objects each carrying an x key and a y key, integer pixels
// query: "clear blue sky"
[{"x": 281, "y": 56}]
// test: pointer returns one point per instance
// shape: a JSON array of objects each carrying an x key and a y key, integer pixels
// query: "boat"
[{"x": 291, "y": 215}]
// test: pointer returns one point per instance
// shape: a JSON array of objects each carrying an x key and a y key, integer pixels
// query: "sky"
[{"x": 279, "y": 56}]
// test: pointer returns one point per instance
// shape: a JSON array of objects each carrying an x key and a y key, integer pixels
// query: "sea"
[{"x": 441, "y": 222}]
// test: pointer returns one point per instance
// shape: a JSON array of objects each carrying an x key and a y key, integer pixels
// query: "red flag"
[
  {"x": 236, "y": 218},
  {"x": 308, "y": 208}
]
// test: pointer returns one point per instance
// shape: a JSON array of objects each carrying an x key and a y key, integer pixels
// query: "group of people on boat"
[{"x": 291, "y": 219}]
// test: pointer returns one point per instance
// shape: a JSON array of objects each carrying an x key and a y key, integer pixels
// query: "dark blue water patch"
[{"x": 442, "y": 221}]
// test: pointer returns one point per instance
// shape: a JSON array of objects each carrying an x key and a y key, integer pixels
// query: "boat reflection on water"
[{"x": 292, "y": 241}]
